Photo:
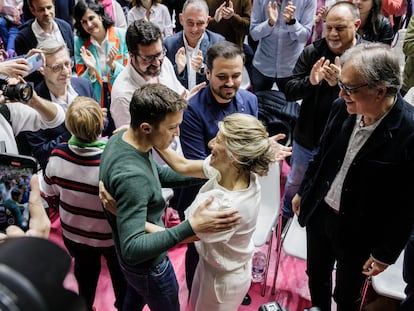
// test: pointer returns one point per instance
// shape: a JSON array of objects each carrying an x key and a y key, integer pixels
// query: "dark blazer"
[
  {"x": 376, "y": 208},
  {"x": 26, "y": 39},
  {"x": 175, "y": 42},
  {"x": 43, "y": 142}
]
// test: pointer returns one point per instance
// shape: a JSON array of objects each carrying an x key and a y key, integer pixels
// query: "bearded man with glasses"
[
  {"x": 147, "y": 64},
  {"x": 61, "y": 88}
]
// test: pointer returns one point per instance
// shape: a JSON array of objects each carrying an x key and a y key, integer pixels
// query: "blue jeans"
[
  {"x": 408, "y": 274},
  {"x": 299, "y": 162},
  {"x": 156, "y": 286}
]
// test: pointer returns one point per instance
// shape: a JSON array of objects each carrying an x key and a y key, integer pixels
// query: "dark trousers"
[
  {"x": 109, "y": 124},
  {"x": 261, "y": 82},
  {"x": 325, "y": 246},
  {"x": 408, "y": 274},
  {"x": 88, "y": 268}
]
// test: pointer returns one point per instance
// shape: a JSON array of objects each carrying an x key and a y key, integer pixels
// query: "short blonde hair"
[
  {"x": 247, "y": 141},
  {"x": 84, "y": 119}
]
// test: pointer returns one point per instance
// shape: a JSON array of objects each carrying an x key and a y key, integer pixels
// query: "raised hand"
[
  {"x": 289, "y": 12},
  {"x": 197, "y": 61},
  {"x": 110, "y": 58},
  {"x": 180, "y": 60},
  {"x": 272, "y": 13},
  {"x": 88, "y": 59}
]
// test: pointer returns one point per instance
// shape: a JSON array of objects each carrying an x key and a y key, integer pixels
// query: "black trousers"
[
  {"x": 88, "y": 268},
  {"x": 327, "y": 244}
]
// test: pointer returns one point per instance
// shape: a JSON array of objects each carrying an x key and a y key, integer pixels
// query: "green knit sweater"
[{"x": 134, "y": 179}]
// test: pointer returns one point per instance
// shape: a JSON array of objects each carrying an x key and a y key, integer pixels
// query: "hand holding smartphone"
[
  {"x": 16, "y": 172},
  {"x": 35, "y": 62}
]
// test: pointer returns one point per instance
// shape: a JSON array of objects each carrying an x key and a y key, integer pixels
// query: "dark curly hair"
[{"x": 79, "y": 10}]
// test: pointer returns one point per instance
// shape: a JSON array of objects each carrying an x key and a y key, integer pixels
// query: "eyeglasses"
[
  {"x": 150, "y": 59},
  {"x": 349, "y": 90},
  {"x": 59, "y": 67}
]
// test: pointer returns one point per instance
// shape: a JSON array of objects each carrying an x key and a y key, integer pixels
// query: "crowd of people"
[{"x": 134, "y": 96}]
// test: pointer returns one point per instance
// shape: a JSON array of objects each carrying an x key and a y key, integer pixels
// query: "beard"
[
  {"x": 152, "y": 71},
  {"x": 220, "y": 92}
]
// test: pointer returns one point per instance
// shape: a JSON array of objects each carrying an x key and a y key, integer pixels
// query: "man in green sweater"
[{"x": 134, "y": 179}]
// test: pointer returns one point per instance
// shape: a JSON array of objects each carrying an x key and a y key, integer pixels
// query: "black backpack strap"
[{"x": 5, "y": 111}]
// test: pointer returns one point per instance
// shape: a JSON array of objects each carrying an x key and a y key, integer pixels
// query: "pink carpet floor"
[{"x": 291, "y": 285}]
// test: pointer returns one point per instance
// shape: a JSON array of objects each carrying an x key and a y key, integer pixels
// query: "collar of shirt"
[
  {"x": 101, "y": 50},
  {"x": 71, "y": 95},
  {"x": 191, "y": 52},
  {"x": 40, "y": 33}
]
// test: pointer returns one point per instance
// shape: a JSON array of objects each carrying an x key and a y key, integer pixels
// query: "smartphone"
[
  {"x": 15, "y": 173},
  {"x": 35, "y": 62}
]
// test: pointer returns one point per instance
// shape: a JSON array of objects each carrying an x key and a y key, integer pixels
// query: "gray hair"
[
  {"x": 51, "y": 46},
  {"x": 352, "y": 8},
  {"x": 196, "y": 4},
  {"x": 247, "y": 141},
  {"x": 377, "y": 64}
]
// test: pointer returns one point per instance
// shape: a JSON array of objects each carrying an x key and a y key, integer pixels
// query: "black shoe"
[{"x": 246, "y": 300}]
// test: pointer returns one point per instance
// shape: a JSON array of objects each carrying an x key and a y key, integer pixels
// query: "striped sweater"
[{"x": 72, "y": 173}]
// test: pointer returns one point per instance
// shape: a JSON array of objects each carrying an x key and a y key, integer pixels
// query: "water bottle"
[{"x": 258, "y": 266}]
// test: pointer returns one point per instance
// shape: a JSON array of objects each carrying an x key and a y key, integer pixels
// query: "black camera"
[
  {"x": 32, "y": 271},
  {"x": 21, "y": 92}
]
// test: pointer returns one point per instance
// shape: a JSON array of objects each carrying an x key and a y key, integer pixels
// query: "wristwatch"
[{"x": 291, "y": 22}]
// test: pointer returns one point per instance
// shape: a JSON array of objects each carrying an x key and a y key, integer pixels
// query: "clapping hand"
[{"x": 88, "y": 59}]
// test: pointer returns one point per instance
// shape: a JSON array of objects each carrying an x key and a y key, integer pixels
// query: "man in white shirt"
[
  {"x": 187, "y": 49},
  {"x": 33, "y": 115},
  {"x": 147, "y": 64}
]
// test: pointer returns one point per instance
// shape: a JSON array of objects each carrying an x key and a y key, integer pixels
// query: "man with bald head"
[
  {"x": 314, "y": 81},
  {"x": 187, "y": 49}
]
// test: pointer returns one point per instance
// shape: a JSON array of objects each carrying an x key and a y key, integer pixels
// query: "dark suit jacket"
[
  {"x": 43, "y": 142},
  {"x": 376, "y": 208},
  {"x": 26, "y": 39},
  {"x": 175, "y": 42}
]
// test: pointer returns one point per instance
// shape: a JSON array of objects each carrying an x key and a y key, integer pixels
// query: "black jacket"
[
  {"x": 316, "y": 99},
  {"x": 376, "y": 207},
  {"x": 385, "y": 33}
]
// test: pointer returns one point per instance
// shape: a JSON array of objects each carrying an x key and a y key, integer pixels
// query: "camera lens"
[{"x": 20, "y": 92}]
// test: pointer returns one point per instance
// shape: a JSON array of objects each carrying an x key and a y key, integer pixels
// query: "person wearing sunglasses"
[
  {"x": 61, "y": 88},
  {"x": 356, "y": 197}
]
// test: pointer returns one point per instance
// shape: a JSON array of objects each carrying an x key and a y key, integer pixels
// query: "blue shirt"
[
  {"x": 200, "y": 121},
  {"x": 280, "y": 45}
]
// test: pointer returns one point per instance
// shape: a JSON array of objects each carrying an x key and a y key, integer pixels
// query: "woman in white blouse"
[
  {"x": 240, "y": 152},
  {"x": 152, "y": 11}
]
